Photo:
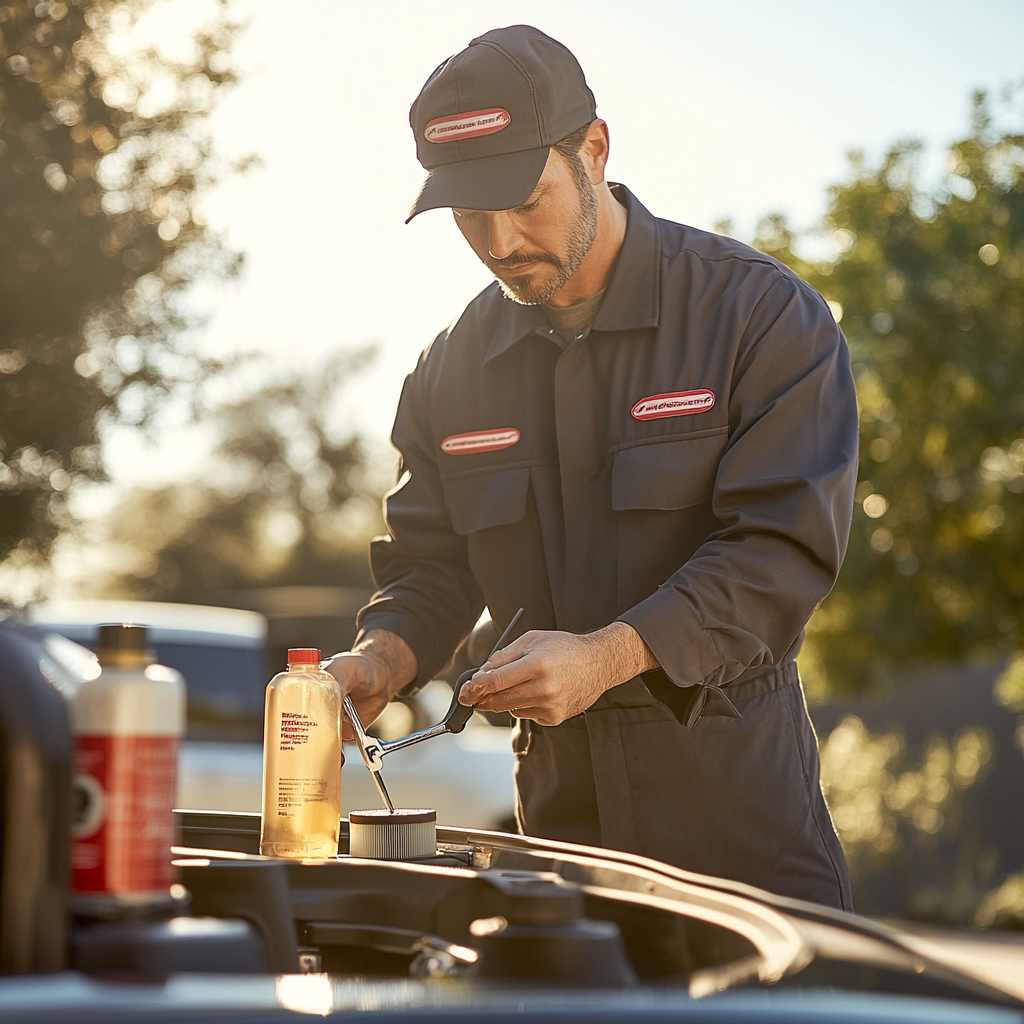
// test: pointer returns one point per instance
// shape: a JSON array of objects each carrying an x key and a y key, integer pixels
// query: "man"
[{"x": 645, "y": 436}]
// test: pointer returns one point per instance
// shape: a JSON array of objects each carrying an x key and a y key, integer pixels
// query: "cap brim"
[{"x": 500, "y": 182}]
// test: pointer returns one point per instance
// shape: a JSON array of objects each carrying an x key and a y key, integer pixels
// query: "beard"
[{"x": 577, "y": 244}]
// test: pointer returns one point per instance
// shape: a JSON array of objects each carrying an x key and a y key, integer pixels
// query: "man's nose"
[{"x": 503, "y": 238}]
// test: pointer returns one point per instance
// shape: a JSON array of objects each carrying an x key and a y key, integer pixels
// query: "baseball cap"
[{"x": 486, "y": 119}]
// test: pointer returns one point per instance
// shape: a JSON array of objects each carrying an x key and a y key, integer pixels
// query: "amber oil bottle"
[{"x": 302, "y": 761}]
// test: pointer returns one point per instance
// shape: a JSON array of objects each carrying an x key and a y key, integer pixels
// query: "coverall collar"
[{"x": 633, "y": 294}]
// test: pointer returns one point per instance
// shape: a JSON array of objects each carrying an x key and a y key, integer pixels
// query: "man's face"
[{"x": 535, "y": 248}]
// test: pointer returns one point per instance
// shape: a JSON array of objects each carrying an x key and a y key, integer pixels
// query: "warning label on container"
[{"x": 295, "y": 729}]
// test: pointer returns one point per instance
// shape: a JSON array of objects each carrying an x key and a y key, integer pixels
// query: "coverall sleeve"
[
  {"x": 426, "y": 592},
  {"x": 783, "y": 495}
]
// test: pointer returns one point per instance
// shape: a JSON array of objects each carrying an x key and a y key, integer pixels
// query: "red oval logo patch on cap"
[
  {"x": 675, "y": 403},
  {"x": 467, "y": 126},
  {"x": 480, "y": 441}
]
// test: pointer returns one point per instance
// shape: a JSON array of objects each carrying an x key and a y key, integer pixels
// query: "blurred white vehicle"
[{"x": 221, "y": 654}]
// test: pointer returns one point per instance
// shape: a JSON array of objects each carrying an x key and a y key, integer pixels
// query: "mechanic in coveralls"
[{"x": 644, "y": 435}]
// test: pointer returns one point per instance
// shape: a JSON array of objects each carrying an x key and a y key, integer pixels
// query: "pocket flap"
[
  {"x": 487, "y": 499},
  {"x": 670, "y": 474}
]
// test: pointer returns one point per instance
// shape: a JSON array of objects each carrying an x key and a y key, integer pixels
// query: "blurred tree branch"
[
  {"x": 283, "y": 501},
  {"x": 929, "y": 285},
  {"x": 103, "y": 156}
]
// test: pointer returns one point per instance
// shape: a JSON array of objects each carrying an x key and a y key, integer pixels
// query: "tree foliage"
[
  {"x": 102, "y": 158},
  {"x": 930, "y": 282},
  {"x": 282, "y": 501}
]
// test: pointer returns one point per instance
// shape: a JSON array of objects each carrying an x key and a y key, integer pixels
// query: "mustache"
[{"x": 516, "y": 259}]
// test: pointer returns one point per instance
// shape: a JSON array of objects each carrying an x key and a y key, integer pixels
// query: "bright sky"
[{"x": 730, "y": 109}]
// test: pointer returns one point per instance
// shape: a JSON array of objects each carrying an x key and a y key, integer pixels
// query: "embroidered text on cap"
[
  {"x": 480, "y": 441},
  {"x": 675, "y": 403},
  {"x": 467, "y": 126}
]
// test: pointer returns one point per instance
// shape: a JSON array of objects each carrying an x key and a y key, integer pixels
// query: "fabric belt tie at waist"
[
  {"x": 711, "y": 700},
  {"x": 688, "y": 704}
]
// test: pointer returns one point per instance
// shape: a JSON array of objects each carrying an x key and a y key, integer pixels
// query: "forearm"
[
  {"x": 622, "y": 652},
  {"x": 396, "y": 663}
]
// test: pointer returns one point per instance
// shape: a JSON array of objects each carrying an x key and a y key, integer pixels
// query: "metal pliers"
[{"x": 373, "y": 749}]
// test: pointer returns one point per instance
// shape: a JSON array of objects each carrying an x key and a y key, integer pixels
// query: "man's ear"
[{"x": 595, "y": 149}]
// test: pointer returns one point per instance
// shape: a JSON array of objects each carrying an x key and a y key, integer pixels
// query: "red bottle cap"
[{"x": 303, "y": 656}]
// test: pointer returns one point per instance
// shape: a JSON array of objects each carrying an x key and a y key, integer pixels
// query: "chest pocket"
[
  {"x": 670, "y": 474},
  {"x": 483, "y": 500}
]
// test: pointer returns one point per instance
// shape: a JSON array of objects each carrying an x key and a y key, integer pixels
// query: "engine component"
[
  {"x": 151, "y": 950},
  {"x": 542, "y": 935},
  {"x": 253, "y": 890}
]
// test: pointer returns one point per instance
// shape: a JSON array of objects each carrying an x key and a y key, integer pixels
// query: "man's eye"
[{"x": 527, "y": 207}]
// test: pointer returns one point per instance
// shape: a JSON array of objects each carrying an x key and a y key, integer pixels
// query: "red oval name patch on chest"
[
  {"x": 675, "y": 403},
  {"x": 480, "y": 441}
]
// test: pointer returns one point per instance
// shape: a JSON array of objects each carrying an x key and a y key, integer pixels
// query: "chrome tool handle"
[
  {"x": 454, "y": 721},
  {"x": 370, "y": 748},
  {"x": 387, "y": 746},
  {"x": 458, "y": 715}
]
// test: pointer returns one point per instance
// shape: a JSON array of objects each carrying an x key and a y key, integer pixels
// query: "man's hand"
[
  {"x": 373, "y": 672},
  {"x": 550, "y": 676}
]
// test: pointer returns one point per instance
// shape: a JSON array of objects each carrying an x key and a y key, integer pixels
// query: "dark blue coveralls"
[{"x": 687, "y": 467}]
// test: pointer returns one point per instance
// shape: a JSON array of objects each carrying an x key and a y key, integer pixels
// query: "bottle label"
[
  {"x": 122, "y": 815},
  {"x": 295, "y": 729},
  {"x": 295, "y": 793}
]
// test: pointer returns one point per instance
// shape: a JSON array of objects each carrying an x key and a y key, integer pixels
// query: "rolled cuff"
[{"x": 669, "y": 626}]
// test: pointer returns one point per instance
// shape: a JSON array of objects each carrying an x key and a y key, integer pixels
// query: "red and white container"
[{"x": 127, "y": 723}]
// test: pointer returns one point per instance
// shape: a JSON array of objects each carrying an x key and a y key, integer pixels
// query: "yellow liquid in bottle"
[{"x": 301, "y": 764}]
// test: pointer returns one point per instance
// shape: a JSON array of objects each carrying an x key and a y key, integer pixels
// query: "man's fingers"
[
  {"x": 512, "y": 652},
  {"x": 526, "y": 694},
  {"x": 497, "y": 679},
  {"x": 542, "y": 716}
]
